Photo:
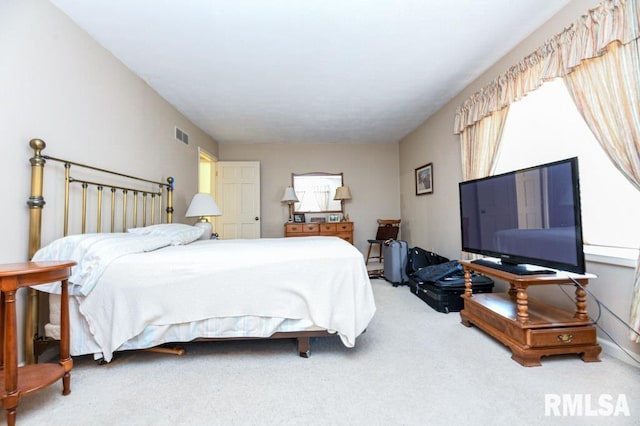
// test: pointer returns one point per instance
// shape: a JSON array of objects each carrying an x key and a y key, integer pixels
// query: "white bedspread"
[
  {"x": 320, "y": 279},
  {"x": 93, "y": 253}
]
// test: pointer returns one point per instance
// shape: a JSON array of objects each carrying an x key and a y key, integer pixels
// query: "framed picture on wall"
[{"x": 424, "y": 179}]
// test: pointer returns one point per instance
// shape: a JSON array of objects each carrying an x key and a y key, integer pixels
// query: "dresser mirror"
[{"x": 315, "y": 192}]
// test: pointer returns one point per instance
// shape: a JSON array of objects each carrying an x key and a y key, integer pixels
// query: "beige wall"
[
  {"x": 432, "y": 221},
  {"x": 371, "y": 171},
  {"x": 59, "y": 85}
]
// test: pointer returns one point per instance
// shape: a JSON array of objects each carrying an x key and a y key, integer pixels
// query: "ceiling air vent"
[{"x": 182, "y": 136}]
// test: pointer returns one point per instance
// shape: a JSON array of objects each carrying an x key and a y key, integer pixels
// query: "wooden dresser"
[{"x": 343, "y": 230}]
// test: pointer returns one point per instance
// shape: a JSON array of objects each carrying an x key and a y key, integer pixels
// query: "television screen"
[{"x": 529, "y": 216}]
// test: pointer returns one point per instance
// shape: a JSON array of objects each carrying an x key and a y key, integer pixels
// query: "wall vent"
[{"x": 182, "y": 136}]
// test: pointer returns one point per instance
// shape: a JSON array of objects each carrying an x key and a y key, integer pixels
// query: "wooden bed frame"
[{"x": 137, "y": 191}]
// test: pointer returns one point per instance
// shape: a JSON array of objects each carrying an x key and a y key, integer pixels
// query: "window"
[
  {"x": 207, "y": 176},
  {"x": 546, "y": 126}
]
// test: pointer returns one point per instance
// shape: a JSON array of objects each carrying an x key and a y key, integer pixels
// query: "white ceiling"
[{"x": 315, "y": 71}]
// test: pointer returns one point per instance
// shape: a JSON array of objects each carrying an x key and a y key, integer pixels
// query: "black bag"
[
  {"x": 419, "y": 258},
  {"x": 445, "y": 295},
  {"x": 441, "y": 285},
  {"x": 437, "y": 272}
]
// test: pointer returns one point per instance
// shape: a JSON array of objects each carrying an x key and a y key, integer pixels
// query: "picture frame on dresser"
[
  {"x": 334, "y": 217},
  {"x": 298, "y": 218}
]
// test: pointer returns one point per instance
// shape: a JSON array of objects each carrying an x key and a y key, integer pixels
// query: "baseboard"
[{"x": 614, "y": 351}]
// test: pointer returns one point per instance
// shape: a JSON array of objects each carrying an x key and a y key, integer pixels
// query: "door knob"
[{"x": 257, "y": 218}]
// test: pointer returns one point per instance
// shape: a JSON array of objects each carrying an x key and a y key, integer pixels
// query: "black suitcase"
[
  {"x": 441, "y": 285},
  {"x": 395, "y": 262},
  {"x": 444, "y": 295}
]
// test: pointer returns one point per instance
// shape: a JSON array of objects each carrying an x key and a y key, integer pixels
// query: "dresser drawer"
[
  {"x": 310, "y": 228},
  {"x": 344, "y": 227},
  {"x": 327, "y": 228},
  {"x": 301, "y": 228},
  {"x": 562, "y": 336},
  {"x": 293, "y": 228},
  {"x": 347, "y": 236}
]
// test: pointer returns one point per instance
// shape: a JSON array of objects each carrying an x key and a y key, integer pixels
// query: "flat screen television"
[{"x": 526, "y": 219}]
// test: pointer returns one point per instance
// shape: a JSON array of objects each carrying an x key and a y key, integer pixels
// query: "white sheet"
[{"x": 319, "y": 279}]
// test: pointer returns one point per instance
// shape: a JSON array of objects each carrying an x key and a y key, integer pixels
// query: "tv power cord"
[{"x": 595, "y": 321}]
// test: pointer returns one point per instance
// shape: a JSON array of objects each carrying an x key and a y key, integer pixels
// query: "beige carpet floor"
[{"x": 413, "y": 366}]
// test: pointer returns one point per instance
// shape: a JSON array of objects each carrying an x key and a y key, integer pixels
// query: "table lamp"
[
  {"x": 343, "y": 193},
  {"x": 203, "y": 205},
  {"x": 289, "y": 197}
]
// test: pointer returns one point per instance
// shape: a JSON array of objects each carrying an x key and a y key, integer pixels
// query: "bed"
[{"x": 148, "y": 282}]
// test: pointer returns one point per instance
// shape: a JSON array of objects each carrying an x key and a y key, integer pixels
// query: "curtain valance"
[{"x": 588, "y": 37}]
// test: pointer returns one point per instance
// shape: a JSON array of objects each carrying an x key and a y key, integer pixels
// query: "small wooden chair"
[{"x": 388, "y": 229}]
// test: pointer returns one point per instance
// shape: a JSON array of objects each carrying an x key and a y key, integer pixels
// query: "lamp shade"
[
  {"x": 289, "y": 195},
  {"x": 202, "y": 205},
  {"x": 342, "y": 193}
]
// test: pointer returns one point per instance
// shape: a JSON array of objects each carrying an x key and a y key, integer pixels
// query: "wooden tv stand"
[{"x": 531, "y": 329}]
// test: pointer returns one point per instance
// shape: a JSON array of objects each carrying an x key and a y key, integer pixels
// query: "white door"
[{"x": 238, "y": 196}]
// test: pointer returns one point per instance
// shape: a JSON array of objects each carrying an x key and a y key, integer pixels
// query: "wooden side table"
[{"x": 30, "y": 378}]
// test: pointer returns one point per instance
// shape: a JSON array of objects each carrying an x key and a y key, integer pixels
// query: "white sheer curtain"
[
  {"x": 606, "y": 91},
  {"x": 480, "y": 145}
]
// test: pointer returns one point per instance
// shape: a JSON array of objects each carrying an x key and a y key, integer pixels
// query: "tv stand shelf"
[{"x": 531, "y": 329}]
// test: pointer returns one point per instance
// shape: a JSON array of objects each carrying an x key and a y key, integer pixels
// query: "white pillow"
[{"x": 178, "y": 233}]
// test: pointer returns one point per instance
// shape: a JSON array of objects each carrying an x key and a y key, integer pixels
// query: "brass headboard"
[{"x": 129, "y": 188}]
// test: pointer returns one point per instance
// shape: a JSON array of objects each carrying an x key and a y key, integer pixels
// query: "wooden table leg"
[
  {"x": 10, "y": 400},
  {"x": 2, "y": 330},
  {"x": 581, "y": 304},
  {"x": 65, "y": 355},
  {"x": 468, "y": 291},
  {"x": 522, "y": 304}
]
